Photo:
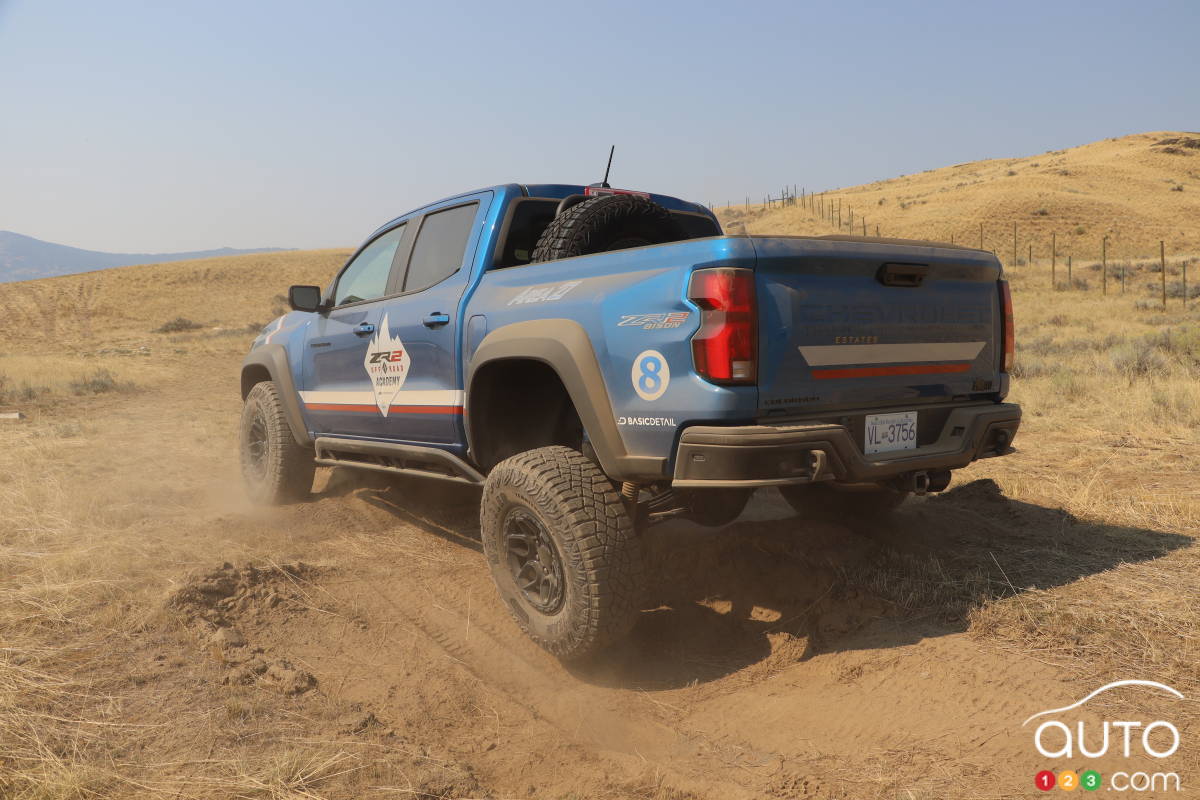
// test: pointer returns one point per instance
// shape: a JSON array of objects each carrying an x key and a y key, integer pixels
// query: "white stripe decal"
[
  {"x": 829, "y": 355},
  {"x": 405, "y": 397}
]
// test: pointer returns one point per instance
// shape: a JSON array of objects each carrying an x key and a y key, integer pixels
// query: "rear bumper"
[{"x": 768, "y": 455}]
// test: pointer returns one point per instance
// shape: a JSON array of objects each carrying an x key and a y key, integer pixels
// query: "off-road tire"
[
  {"x": 606, "y": 222},
  {"x": 602, "y": 571},
  {"x": 715, "y": 508},
  {"x": 275, "y": 468},
  {"x": 826, "y": 502}
]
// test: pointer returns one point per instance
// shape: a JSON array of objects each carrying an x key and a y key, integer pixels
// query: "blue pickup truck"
[{"x": 599, "y": 360}]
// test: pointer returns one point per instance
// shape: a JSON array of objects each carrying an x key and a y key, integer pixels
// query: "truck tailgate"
[{"x": 870, "y": 324}]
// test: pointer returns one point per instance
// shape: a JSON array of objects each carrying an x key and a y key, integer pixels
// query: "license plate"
[{"x": 887, "y": 432}]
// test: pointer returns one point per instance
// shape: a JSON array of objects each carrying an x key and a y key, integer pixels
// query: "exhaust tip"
[
  {"x": 939, "y": 479},
  {"x": 925, "y": 481}
]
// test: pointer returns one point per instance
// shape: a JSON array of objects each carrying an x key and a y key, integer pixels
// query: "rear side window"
[
  {"x": 527, "y": 220},
  {"x": 440, "y": 247},
  {"x": 366, "y": 277},
  {"x": 696, "y": 226}
]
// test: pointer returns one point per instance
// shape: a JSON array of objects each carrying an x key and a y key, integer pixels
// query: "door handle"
[
  {"x": 435, "y": 319},
  {"x": 365, "y": 329}
]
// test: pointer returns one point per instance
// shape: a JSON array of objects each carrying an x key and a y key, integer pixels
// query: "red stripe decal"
[
  {"x": 354, "y": 408},
  {"x": 425, "y": 410},
  {"x": 872, "y": 372}
]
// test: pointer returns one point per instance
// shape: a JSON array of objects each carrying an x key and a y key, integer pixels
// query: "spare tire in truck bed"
[{"x": 606, "y": 222}]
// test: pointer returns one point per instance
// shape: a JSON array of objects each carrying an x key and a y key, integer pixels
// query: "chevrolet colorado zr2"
[{"x": 599, "y": 360}]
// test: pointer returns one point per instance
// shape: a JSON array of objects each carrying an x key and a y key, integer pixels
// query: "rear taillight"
[
  {"x": 725, "y": 348},
  {"x": 1006, "y": 311}
]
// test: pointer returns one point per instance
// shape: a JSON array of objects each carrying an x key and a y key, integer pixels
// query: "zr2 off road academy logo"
[
  {"x": 1062, "y": 734},
  {"x": 387, "y": 363}
]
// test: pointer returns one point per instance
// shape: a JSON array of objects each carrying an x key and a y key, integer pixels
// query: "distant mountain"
[{"x": 23, "y": 258}]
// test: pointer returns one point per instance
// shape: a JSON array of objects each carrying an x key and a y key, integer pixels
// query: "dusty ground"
[{"x": 353, "y": 646}]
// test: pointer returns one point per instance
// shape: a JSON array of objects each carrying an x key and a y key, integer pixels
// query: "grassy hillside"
[
  {"x": 1137, "y": 190},
  {"x": 129, "y": 303}
]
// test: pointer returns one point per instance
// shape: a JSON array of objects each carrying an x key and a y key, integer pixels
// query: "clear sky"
[{"x": 161, "y": 126}]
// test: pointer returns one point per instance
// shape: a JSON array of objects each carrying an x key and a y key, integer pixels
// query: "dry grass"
[
  {"x": 1105, "y": 363},
  {"x": 1111, "y": 396},
  {"x": 27, "y": 381},
  {"x": 124, "y": 305},
  {"x": 1120, "y": 188}
]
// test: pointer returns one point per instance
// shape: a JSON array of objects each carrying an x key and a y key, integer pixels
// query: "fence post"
[
  {"x": 876, "y": 230},
  {"x": 1104, "y": 263},
  {"x": 981, "y": 236},
  {"x": 864, "y": 222},
  {"x": 1014, "y": 244},
  {"x": 1054, "y": 261},
  {"x": 1162, "y": 260}
]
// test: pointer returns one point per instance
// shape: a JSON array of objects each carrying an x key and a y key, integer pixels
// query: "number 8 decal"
[{"x": 650, "y": 374}]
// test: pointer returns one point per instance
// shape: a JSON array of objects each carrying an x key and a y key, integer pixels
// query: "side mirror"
[{"x": 305, "y": 298}]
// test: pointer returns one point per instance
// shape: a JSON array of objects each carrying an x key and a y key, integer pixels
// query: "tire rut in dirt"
[{"x": 494, "y": 653}]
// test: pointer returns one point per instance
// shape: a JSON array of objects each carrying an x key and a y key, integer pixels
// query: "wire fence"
[{"x": 1116, "y": 275}]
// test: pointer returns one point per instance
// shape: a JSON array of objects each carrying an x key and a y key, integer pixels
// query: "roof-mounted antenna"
[{"x": 604, "y": 182}]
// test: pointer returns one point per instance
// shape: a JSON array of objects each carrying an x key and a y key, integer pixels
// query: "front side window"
[
  {"x": 440, "y": 246},
  {"x": 366, "y": 277}
]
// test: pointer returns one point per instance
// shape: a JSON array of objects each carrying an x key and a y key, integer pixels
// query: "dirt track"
[{"x": 776, "y": 657}]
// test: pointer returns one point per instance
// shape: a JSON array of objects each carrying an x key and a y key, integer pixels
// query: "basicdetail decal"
[
  {"x": 387, "y": 363},
  {"x": 650, "y": 375},
  {"x": 837, "y": 354},
  {"x": 409, "y": 401},
  {"x": 653, "y": 322},
  {"x": 542, "y": 294},
  {"x": 647, "y": 422}
]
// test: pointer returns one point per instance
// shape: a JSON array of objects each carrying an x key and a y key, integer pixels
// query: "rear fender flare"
[{"x": 564, "y": 346}]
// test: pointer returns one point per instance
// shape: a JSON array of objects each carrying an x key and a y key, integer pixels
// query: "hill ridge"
[{"x": 24, "y": 257}]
